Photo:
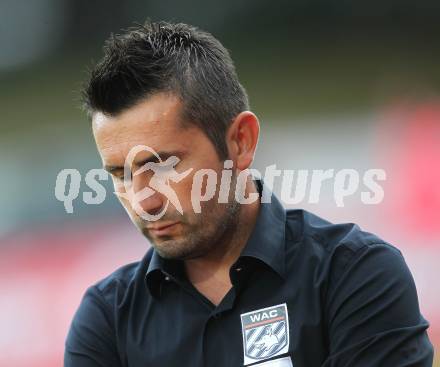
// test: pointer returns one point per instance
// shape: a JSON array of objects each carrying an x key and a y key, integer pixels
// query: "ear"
[{"x": 242, "y": 138}]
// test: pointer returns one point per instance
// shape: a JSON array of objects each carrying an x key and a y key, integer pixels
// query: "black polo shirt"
[{"x": 305, "y": 292}]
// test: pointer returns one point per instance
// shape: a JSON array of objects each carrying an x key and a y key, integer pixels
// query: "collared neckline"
[
  {"x": 160, "y": 270},
  {"x": 267, "y": 240},
  {"x": 266, "y": 244}
]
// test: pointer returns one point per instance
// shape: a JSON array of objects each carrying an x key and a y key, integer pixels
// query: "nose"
[{"x": 152, "y": 204}]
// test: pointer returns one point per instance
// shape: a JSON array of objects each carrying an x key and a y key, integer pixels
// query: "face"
[{"x": 156, "y": 123}]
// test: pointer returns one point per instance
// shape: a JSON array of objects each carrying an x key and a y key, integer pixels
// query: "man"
[{"x": 238, "y": 283}]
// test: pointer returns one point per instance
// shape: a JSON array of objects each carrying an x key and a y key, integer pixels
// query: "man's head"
[
  {"x": 176, "y": 58},
  {"x": 173, "y": 88}
]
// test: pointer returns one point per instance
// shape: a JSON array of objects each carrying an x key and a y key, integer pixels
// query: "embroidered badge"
[{"x": 265, "y": 333}]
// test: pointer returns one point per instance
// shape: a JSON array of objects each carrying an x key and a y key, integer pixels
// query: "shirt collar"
[
  {"x": 267, "y": 240},
  {"x": 160, "y": 269},
  {"x": 266, "y": 244}
]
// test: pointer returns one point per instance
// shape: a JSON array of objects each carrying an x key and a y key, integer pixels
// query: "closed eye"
[{"x": 119, "y": 176}]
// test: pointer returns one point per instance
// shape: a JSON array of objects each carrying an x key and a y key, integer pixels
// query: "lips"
[
  {"x": 161, "y": 226},
  {"x": 162, "y": 229}
]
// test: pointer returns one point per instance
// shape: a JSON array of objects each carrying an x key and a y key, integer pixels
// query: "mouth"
[{"x": 162, "y": 229}]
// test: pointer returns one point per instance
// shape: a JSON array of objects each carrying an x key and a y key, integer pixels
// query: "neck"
[{"x": 210, "y": 274}]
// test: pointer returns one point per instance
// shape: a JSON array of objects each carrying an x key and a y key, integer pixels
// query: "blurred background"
[{"x": 336, "y": 85}]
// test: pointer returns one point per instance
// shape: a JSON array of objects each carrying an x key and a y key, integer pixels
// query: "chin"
[{"x": 176, "y": 250}]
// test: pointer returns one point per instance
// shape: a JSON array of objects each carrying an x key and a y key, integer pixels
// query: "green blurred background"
[{"x": 336, "y": 84}]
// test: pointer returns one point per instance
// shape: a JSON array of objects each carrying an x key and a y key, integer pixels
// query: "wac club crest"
[{"x": 265, "y": 333}]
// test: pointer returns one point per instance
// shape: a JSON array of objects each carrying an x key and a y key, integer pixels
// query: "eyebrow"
[{"x": 164, "y": 155}]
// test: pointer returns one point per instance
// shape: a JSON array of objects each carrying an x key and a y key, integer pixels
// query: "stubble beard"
[{"x": 201, "y": 232}]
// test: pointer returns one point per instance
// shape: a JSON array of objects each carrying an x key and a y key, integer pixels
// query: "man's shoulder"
[
  {"x": 333, "y": 249},
  {"x": 343, "y": 253},
  {"x": 117, "y": 283},
  {"x": 327, "y": 238}
]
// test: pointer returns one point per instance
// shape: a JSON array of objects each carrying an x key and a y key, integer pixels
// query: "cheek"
[
  {"x": 183, "y": 190},
  {"x": 118, "y": 185},
  {"x": 119, "y": 190}
]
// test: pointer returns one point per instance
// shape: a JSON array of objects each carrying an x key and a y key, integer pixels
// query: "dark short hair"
[{"x": 165, "y": 57}]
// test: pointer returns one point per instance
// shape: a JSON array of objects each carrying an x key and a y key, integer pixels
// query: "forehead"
[{"x": 155, "y": 122}]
